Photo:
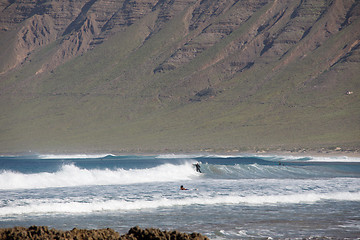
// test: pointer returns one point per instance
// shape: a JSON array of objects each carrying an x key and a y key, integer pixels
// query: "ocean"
[{"x": 245, "y": 196}]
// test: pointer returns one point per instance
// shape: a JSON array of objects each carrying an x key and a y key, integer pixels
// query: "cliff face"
[
  {"x": 79, "y": 25},
  {"x": 158, "y": 54},
  {"x": 82, "y": 25}
]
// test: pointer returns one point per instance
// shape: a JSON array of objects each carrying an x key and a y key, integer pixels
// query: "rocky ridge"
[
  {"x": 135, "y": 233},
  {"x": 82, "y": 25}
]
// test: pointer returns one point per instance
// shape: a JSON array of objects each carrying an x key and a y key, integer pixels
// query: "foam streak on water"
[{"x": 73, "y": 205}]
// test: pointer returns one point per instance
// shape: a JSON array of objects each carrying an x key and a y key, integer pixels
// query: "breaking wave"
[{"x": 70, "y": 175}]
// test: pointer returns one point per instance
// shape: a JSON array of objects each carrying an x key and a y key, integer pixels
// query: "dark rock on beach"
[
  {"x": 152, "y": 233},
  {"x": 135, "y": 233},
  {"x": 43, "y": 232}
]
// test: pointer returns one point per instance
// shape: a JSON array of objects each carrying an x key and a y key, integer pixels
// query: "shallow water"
[{"x": 235, "y": 197}]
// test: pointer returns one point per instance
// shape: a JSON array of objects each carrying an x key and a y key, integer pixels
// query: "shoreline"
[{"x": 301, "y": 152}]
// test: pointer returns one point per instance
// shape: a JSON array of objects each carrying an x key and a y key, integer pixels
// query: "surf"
[
  {"x": 70, "y": 175},
  {"x": 77, "y": 206}
]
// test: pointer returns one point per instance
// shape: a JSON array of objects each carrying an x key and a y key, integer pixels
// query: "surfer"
[
  {"x": 197, "y": 167},
  {"x": 182, "y": 188}
]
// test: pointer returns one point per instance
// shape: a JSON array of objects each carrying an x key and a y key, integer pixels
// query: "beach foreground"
[{"x": 43, "y": 232}]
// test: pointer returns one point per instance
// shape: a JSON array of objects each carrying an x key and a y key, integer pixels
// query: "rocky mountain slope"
[{"x": 164, "y": 75}]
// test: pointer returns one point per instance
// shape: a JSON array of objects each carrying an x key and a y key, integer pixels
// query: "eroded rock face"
[
  {"x": 37, "y": 31},
  {"x": 82, "y": 25},
  {"x": 79, "y": 25},
  {"x": 135, "y": 233}
]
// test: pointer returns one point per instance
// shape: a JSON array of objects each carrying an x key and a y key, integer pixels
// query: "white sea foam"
[
  {"x": 308, "y": 158},
  {"x": 74, "y": 206},
  {"x": 72, "y": 156},
  {"x": 186, "y": 156},
  {"x": 335, "y": 159},
  {"x": 71, "y": 175},
  {"x": 178, "y": 156}
]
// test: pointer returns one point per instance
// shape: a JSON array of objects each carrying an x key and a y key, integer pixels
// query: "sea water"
[{"x": 234, "y": 197}]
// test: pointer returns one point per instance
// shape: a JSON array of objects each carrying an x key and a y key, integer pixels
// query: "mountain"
[{"x": 185, "y": 75}]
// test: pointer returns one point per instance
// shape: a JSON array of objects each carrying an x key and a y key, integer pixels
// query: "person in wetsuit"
[{"x": 197, "y": 167}]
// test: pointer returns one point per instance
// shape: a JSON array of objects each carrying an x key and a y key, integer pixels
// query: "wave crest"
[{"x": 70, "y": 176}]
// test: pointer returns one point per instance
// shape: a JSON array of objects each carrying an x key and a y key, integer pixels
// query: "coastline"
[
  {"x": 314, "y": 153},
  {"x": 298, "y": 152}
]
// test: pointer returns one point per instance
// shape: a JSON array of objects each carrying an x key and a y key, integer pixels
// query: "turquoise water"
[{"x": 234, "y": 197}]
